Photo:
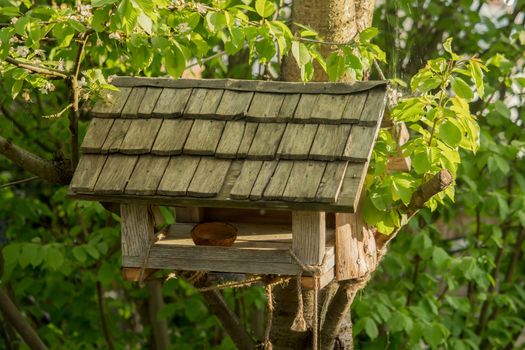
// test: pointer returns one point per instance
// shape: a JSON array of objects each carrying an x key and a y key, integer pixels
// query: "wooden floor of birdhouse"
[{"x": 258, "y": 249}]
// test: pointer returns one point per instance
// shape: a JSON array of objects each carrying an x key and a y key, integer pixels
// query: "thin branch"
[
  {"x": 37, "y": 69},
  {"x": 102, "y": 314},
  {"x": 52, "y": 171},
  {"x": 15, "y": 318},
  {"x": 18, "y": 182}
]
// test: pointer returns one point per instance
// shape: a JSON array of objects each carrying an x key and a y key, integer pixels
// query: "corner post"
[{"x": 309, "y": 236}]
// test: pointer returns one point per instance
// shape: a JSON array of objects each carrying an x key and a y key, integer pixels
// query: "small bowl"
[{"x": 214, "y": 233}]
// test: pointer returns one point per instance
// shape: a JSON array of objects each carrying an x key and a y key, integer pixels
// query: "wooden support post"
[
  {"x": 309, "y": 236},
  {"x": 345, "y": 247},
  {"x": 188, "y": 214}
]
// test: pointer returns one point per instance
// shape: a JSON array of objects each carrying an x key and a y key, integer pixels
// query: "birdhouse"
[{"x": 282, "y": 163}]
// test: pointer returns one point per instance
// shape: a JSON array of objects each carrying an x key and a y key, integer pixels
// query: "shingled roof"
[{"x": 231, "y": 143}]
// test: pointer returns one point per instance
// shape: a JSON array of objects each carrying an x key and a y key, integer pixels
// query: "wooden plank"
[
  {"x": 147, "y": 175},
  {"x": 231, "y": 176},
  {"x": 230, "y": 139},
  {"x": 297, "y": 141},
  {"x": 204, "y": 137},
  {"x": 116, "y": 135},
  {"x": 178, "y": 175},
  {"x": 247, "y": 138},
  {"x": 352, "y": 184},
  {"x": 354, "y": 106},
  {"x": 374, "y": 107},
  {"x": 304, "y": 108},
  {"x": 172, "y": 136},
  {"x": 115, "y": 174},
  {"x": 330, "y": 142},
  {"x": 247, "y": 177},
  {"x": 148, "y": 102},
  {"x": 140, "y": 136},
  {"x": 209, "y": 177},
  {"x": 263, "y": 178},
  {"x": 308, "y": 236},
  {"x": 96, "y": 134},
  {"x": 346, "y": 254},
  {"x": 324, "y": 280},
  {"x": 87, "y": 172},
  {"x": 360, "y": 143},
  {"x": 264, "y": 107},
  {"x": 233, "y": 105},
  {"x": 252, "y": 85},
  {"x": 275, "y": 188},
  {"x": 137, "y": 230},
  {"x": 328, "y": 109},
  {"x": 304, "y": 180},
  {"x": 188, "y": 214},
  {"x": 131, "y": 107},
  {"x": 171, "y": 103},
  {"x": 266, "y": 141},
  {"x": 112, "y": 106},
  {"x": 288, "y": 107},
  {"x": 203, "y": 103},
  {"x": 331, "y": 182}
]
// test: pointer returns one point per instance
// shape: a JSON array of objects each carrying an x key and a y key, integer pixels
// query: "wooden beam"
[
  {"x": 188, "y": 214},
  {"x": 137, "y": 229},
  {"x": 345, "y": 247},
  {"x": 309, "y": 236}
]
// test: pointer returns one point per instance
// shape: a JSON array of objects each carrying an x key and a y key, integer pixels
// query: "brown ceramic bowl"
[{"x": 214, "y": 233}]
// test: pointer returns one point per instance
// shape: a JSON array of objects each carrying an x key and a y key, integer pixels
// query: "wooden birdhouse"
[{"x": 284, "y": 163}]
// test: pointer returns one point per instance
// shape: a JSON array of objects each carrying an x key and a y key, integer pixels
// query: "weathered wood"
[
  {"x": 359, "y": 145},
  {"x": 111, "y": 107},
  {"x": 115, "y": 174},
  {"x": 374, "y": 107},
  {"x": 188, "y": 214},
  {"x": 148, "y": 102},
  {"x": 288, "y": 107},
  {"x": 324, "y": 280},
  {"x": 204, "y": 137},
  {"x": 275, "y": 188},
  {"x": 266, "y": 141},
  {"x": 263, "y": 178},
  {"x": 250, "y": 216},
  {"x": 308, "y": 236},
  {"x": 87, "y": 173},
  {"x": 96, "y": 135},
  {"x": 330, "y": 142},
  {"x": 230, "y": 140},
  {"x": 264, "y": 107},
  {"x": 209, "y": 177},
  {"x": 244, "y": 183},
  {"x": 146, "y": 177},
  {"x": 251, "y": 85},
  {"x": 171, "y": 103},
  {"x": 331, "y": 182},
  {"x": 303, "y": 181},
  {"x": 352, "y": 184},
  {"x": 304, "y": 108},
  {"x": 297, "y": 141},
  {"x": 346, "y": 255},
  {"x": 137, "y": 230},
  {"x": 231, "y": 176},
  {"x": 203, "y": 103},
  {"x": 178, "y": 175},
  {"x": 233, "y": 105},
  {"x": 247, "y": 138},
  {"x": 140, "y": 136},
  {"x": 172, "y": 136},
  {"x": 354, "y": 107},
  {"x": 116, "y": 135},
  {"x": 133, "y": 103},
  {"x": 328, "y": 109}
]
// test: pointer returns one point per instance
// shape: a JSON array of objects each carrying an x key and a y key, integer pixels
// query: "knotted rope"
[{"x": 267, "y": 344}]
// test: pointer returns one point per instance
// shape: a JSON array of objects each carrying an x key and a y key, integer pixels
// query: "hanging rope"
[
  {"x": 152, "y": 241},
  {"x": 299, "y": 323},
  {"x": 267, "y": 344},
  {"x": 316, "y": 273}
]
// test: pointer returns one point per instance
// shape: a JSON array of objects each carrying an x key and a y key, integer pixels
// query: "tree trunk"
[{"x": 335, "y": 21}]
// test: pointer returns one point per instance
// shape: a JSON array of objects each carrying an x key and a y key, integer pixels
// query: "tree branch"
[
  {"x": 338, "y": 311},
  {"x": 15, "y": 318},
  {"x": 102, "y": 313},
  {"x": 159, "y": 326},
  {"x": 52, "y": 171},
  {"x": 37, "y": 69}
]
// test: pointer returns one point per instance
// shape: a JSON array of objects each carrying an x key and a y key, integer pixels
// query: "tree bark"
[{"x": 161, "y": 335}]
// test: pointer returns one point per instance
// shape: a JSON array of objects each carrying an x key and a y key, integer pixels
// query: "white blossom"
[
  {"x": 201, "y": 8},
  {"x": 14, "y": 20},
  {"x": 115, "y": 36},
  {"x": 22, "y": 51},
  {"x": 82, "y": 82},
  {"x": 26, "y": 96},
  {"x": 48, "y": 86},
  {"x": 183, "y": 28},
  {"x": 61, "y": 64}
]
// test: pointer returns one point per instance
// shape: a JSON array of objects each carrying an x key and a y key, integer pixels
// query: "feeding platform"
[{"x": 282, "y": 162}]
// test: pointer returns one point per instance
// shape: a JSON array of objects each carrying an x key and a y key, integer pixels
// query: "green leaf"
[
  {"x": 335, "y": 66},
  {"x": 462, "y": 89},
  {"x": 145, "y": 23},
  {"x": 54, "y": 257},
  {"x": 421, "y": 160},
  {"x": 175, "y": 61},
  {"x": 100, "y": 17},
  {"x": 433, "y": 335},
  {"x": 449, "y": 133},
  {"x": 100, "y": 3},
  {"x": 91, "y": 250},
  {"x": 301, "y": 53},
  {"x": 497, "y": 162},
  {"x": 264, "y": 8},
  {"x": 370, "y": 328},
  {"x": 216, "y": 21},
  {"x": 477, "y": 76},
  {"x": 447, "y": 45},
  {"x": 79, "y": 254},
  {"x": 368, "y": 34},
  {"x": 440, "y": 257},
  {"x": 265, "y": 49}
]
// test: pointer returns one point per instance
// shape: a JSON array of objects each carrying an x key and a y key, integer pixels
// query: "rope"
[
  {"x": 299, "y": 323},
  {"x": 153, "y": 240},
  {"x": 267, "y": 344},
  {"x": 233, "y": 284}
]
